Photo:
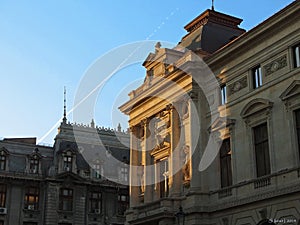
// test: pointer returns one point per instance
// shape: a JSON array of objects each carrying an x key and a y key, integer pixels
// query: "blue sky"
[{"x": 46, "y": 45}]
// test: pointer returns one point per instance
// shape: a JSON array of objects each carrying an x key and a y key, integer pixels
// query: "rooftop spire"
[
  {"x": 212, "y": 5},
  {"x": 65, "y": 106}
]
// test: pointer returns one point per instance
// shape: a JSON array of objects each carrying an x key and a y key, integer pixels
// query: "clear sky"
[{"x": 46, "y": 45}]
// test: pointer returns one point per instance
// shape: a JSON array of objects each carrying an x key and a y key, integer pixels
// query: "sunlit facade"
[{"x": 225, "y": 154}]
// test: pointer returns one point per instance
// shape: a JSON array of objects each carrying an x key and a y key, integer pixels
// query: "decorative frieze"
[
  {"x": 277, "y": 64},
  {"x": 237, "y": 85}
]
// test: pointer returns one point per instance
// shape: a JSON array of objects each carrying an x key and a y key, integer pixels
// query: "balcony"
[{"x": 276, "y": 184}]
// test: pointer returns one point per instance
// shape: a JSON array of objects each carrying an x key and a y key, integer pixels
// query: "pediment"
[
  {"x": 69, "y": 177},
  {"x": 149, "y": 58},
  {"x": 292, "y": 91},
  {"x": 161, "y": 152},
  {"x": 255, "y": 106},
  {"x": 4, "y": 150},
  {"x": 36, "y": 154},
  {"x": 221, "y": 123},
  {"x": 66, "y": 150}
]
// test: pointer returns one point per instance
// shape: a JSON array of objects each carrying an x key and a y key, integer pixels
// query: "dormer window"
[
  {"x": 68, "y": 160},
  {"x": 97, "y": 169},
  {"x": 34, "y": 164},
  {"x": 2, "y": 161}
]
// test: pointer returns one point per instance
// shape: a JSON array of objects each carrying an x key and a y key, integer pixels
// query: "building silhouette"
[{"x": 73, "y": 182}]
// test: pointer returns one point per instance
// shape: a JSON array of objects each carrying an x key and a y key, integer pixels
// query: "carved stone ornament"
[
  {"x": 276, "y": 65},
  {"x": 187, "y": 164},
  {"x": 238, "y": 85}
]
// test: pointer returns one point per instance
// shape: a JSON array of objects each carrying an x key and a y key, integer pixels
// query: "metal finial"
[
  {"x": 65, "y": 106},
  {"x": 212, "y": 5}
]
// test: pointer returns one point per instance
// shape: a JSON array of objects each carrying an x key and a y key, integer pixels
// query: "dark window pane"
[
  {"x": 95, "y": 202},
  {"x": 2, "y": 195},
  {"x": 225, "y": 164},
  {"x": 261, "y": 145},
  {"x": 297, "y": 115},
  {"x": 31, "y": 200},
  {"x": 66, "y": 199}
]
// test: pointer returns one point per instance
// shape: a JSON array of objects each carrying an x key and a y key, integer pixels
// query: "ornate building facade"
[
  {"x": 58, "y": 185},
  {"x": 215, "y": 135}
]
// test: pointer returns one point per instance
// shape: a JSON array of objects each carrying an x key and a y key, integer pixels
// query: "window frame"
[
  {"x": 97, "y": 170},
  {"x": 123, "y": 203},
  {"x": 223, "y": 89},
  {"x": 164, "y": 177},
  {"x": 34, "y": 164},
  {"x": 68, "y": 198},
  {"x": 296, "y": 55},
  {"x": 97, "y": 200},
  {"x": 3, "y": 159},
  {"x": 67, "y": 164},
  {"x": 296, "y": 113},
  {"x": 257, "y": 77},
  {"x": 3, "y": 195},
  {"x": 226, "y": 162},
  {"x": 124, "y": 173},
  {"x": 262, "y": 168},
  {"x": 31, "y": 198}
]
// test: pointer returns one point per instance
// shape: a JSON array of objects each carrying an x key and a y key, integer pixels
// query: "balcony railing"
[
  {"x": 225, "y": 193},
  {"x": 262, "y": 182}
]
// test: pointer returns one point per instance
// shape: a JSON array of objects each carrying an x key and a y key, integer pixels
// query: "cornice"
[{"x": 256, "y": 34}]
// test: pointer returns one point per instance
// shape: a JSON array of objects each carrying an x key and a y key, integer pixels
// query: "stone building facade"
[
  {"x": 58, "y": 185},
  {"x": 215, "y": 135}
]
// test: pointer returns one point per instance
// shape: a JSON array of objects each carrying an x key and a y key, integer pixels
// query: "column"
[
  {"x": 175, "y": 157},
  {"x": 134, "y": 162},
  {"x": 148, "y": 168}
]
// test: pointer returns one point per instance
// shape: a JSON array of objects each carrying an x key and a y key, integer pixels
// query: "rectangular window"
[
  {"x": 123, "y": 203},
  {"x": 225, "y": 164},
  {"x": 297, "y": 116},
  {"x": 30, "y": 223},
  {"x": 296, "y": 55},
  {"x": 261, "y": 145},
  {"x": 98, "y": 170},
  {"x": 257, "y": 77},
  {"x": 95, "y": 202},
  {"x": 124, "y": 174},
  {"x": 2, "y": 161},
  {"x": 223, "y": 94},
  {"x": 68, "y": 163},
  {"x": 66, "y": 199},
  {"x": 2, "y": 195},
  {"x": 31, "y": 201},
  {"x": 34, "y": 165},
  {"x": 164, "y": 178}
]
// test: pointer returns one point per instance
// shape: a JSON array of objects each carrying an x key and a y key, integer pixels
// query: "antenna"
[
  {"x": 212, "y": 5},
  {"x": 65, "y": 106}
]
